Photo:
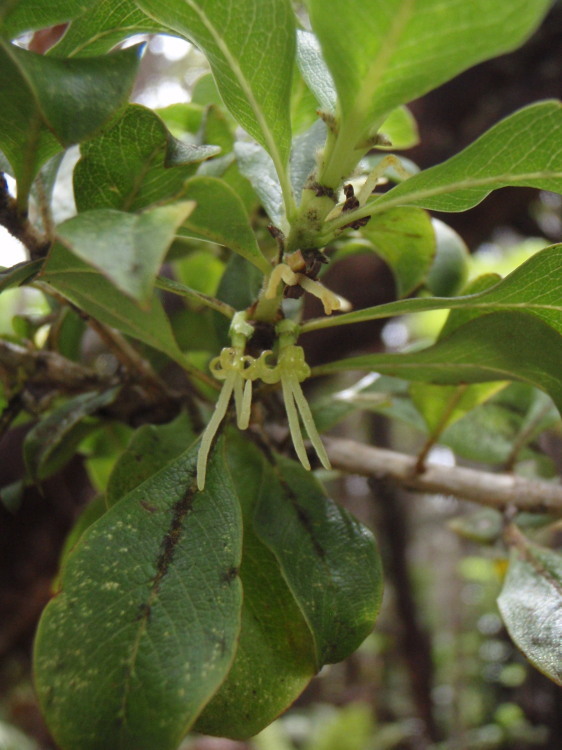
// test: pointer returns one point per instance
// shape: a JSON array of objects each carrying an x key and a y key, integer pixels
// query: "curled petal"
[
  {"x": 281, "y": 272},
  {"x": 268, "y": 373},
  {"x": 330, "y": 300}
]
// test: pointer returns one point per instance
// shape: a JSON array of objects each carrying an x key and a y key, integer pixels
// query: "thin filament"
[
  {"x": 211, "y": 430},
  {"x": 294, "y": 424},
  {"x": 308, "y": 422}
]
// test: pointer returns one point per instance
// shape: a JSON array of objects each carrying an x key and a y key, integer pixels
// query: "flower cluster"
[{"x": 238, "y": 371}]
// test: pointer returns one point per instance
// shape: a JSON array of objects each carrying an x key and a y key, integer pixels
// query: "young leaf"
[
  {"x": 405, "y": 239},
  {"x": 126, "y": 248},
  {"x": 304, "y": 153},
  {"x": 329, "y": 560},
  {"x": 498, "y": 346},
  {"x": 535, "y": 286},
  {"x": 531, "y": 605},
  {"x": 133, "y": 163},
  {"x": 251, "y": 49},
  {"x": 220, "y": 217},
  {"x": 276, "y": 658},
  {"x": 383, "y": 53},
  {"x": 315, "y": 72},
  {"x": 98, "y": 297},
  {"x": 103, "y": 25},
  {"x": 17, "y": 16},
  {"x": 46, "y": 104},
  {"x": 521, "y": 150},
  {"x": 257, "y": 166},
  {"x": 48, "y": 436},
  {"x": 144, "y": 628}
]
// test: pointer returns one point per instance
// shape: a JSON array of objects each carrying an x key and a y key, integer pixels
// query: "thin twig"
[{"x": 493, "y": 490}]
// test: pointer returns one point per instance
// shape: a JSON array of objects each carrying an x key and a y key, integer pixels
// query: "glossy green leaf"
[
  {"x": 133, "y": 163},
  {"x": 531, "y": 606},
  {"x": 535, "y": 286},
  {"x": 103, "y": 25},
  {"x": 19, "y": 274},
  {"x": 498, "y": 346},
  {"x": 151, "y": 448},
  {"x": 49, "y": 435},
  {"x": 405, "y": 239},
  {"x": 383, "y": 53},
  {"x": 158, "y": 568},
  {"x": 276, "y": 657},
  {"x": 90, "y": 291},
  {"x": 522, "y": 150},
  {"x": 126, "y": 248},
  {"x": 251, "y": 48},
  {"x": 329, "y": 560},
  {"x": 449, "y": 271},
  {"x": 220, "y": 217},
  {"x": 46, "y": 104},
  {"x": 17, "y": 16}
]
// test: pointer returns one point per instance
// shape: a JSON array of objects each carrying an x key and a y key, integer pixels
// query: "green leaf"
[
  {"x": 98, "y": 297},
  {"x": 220, "y": 217},
  {"x": 276, "y": 657},
  {"x": 531, "y": 605},
  {"x": 17, "y": 16},
  {"x": 133, "y": 163},
  {"x": 522, "y": 150},
  {"x": 126, "y": 248},
  {"x": 314, "y": 70},
  {"x": 405, "y": 239},
  {"x": 151, "y": 448},
  {"x": 256, "y": 165},
  {"x": 383, "y": 53},
  {"x": 57, "y": 433},
  {"x": 103, "y": 25},
  {"x": 400, "y": 129},
  {"x": 498, "y": 346},
  {"x": 46, "y": 104},
  {"x": 535, "y": 286},
  {"x": 19, "y": 274},
  {"x": 304, "y": 154},
  {"x": 251, "y": 49},
  {"x": 442, "y": 405},
  {"x": 329, "y": 560},
  {"x": 449, "y": 271},
  {"x": 145, "y": 626}
]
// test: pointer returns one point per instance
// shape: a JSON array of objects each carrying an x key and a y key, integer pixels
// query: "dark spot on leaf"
[
  {"x": 172, "y": 537},
  {"x": 147, "y": 506},
  {"x": 230, "y": 575},
  {"x": 143, "y": 612}
]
